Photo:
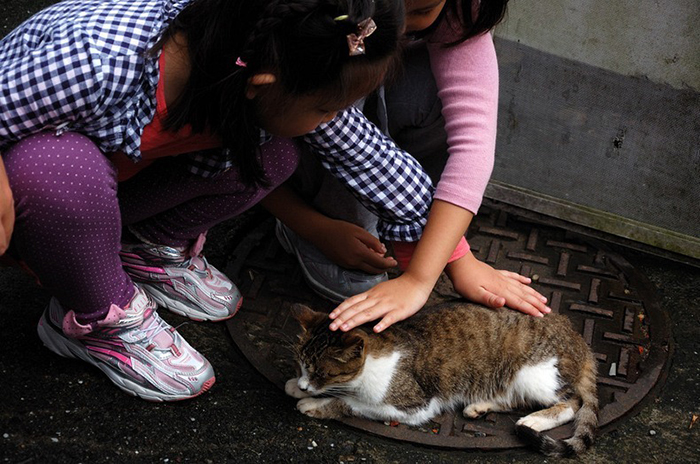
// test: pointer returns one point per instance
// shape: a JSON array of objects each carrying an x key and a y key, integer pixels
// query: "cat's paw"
[
  {"x": 292, "y": 389},
  {"x": 476, "y": 410},
  {"x": 547, "y": 419},
  {"x": 535, "y": 423},
  {"x": 315, "y": 407}
]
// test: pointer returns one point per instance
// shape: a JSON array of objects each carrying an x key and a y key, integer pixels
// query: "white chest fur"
[
  {"x": 374, "y": 381},
  {"x": 371, "y": 388}
]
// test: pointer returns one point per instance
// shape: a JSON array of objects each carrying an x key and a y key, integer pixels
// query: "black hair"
[
  {"x": 490, "y": 13},
  {"x": 302, "y": 42}
]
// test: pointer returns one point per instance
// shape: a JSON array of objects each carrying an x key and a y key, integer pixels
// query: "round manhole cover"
[{"x": 608, "y": 301}]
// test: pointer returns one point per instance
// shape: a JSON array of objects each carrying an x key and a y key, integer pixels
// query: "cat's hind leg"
[
  {"x": 478, "y": 409},
  {"x": 292, "y": 389},
  {"x": 554, "y": 416},
  {"x": 323, "y": 408}
]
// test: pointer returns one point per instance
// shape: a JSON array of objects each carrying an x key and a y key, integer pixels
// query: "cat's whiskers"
[{"x": 340, "y": 391}]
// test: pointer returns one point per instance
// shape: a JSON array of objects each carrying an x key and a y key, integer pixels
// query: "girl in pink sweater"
[{"x": 443, "y": 111}]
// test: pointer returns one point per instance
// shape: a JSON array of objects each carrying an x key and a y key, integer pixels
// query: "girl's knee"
[
  {"x": 47, "y": 169},
  {"x": 280, "y": 157}
]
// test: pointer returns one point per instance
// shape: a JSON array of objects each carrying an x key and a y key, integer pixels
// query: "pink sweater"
[{"x": 467, "y": 80}]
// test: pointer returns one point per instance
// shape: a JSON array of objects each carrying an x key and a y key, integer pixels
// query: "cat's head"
[{"x": 327, "y": 360}]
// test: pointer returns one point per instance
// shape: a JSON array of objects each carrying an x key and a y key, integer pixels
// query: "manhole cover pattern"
[{"x": 608, "y": 302}]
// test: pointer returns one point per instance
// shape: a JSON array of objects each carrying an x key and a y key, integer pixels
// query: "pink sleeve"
[{"x": 467, "y": 80}]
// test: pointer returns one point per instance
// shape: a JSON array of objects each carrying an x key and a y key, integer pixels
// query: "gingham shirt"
[{"x": 83, "y": 66}]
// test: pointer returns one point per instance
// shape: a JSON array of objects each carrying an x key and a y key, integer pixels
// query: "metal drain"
[{"x": 607, "y": 300}]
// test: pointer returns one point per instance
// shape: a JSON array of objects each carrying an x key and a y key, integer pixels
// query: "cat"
[{"x": 455, "y": 353}]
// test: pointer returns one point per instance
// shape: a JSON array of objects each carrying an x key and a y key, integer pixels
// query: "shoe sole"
[
  {"x": 178, "y": 307},
  {"x": 68, "y": 348}
]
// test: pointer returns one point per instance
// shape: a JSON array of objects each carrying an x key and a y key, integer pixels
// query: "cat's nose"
[{"x": 303, "y": 384}]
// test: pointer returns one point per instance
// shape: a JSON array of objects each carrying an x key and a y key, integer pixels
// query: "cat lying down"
[{"x": 453, "y": 354}]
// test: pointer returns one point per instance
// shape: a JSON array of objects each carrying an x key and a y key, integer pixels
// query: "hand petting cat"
[
  {"x": 481, "y": 283},
  {"x": 400, "y": 298},
  {"x": 393, "y": 301}
]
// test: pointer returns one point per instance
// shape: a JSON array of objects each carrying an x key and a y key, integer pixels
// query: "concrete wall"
[
  {"x": 599, "y": 117},
  {"x": 657, "y": 39}
]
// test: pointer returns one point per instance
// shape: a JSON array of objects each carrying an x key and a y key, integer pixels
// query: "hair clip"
[
  {"x": 241, "y": 63},
  {"x": 356, "y": 42}
]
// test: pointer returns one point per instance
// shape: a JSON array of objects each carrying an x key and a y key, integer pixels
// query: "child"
[
  {"x": 444, "y": 104},
  {"x": 93, "y": 85}
]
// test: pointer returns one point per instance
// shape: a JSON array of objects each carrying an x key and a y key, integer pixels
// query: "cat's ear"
[
  {"x": 305, "y": 315},
  {"x": 353, "y": 346}
]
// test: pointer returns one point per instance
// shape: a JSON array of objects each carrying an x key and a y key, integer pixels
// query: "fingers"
[
  {"x": 515, "y": 276},
  {"x": 533, "y": 296},
  {"x": 527, "y": 307},
  {"x": 386, "y": 321},
  {"x": 344, "y": 306},
  {"x": 354, "y": 315},
  {"x": 372, "y": 254},
  {"x": 374, "y": 263},
  {"x": 514, "y": 293},
  {"x": 528, "y": 302},
  {"x": 370, "y": 241},
  {"x": 492, "y": 300}
]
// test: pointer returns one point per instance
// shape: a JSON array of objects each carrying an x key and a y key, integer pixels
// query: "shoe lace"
[{"x": 151, "y": 328}]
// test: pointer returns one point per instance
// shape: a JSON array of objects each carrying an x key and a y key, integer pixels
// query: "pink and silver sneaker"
[
  {"x": 140, "y": 352},
  {"x": 182, "y": 280}
]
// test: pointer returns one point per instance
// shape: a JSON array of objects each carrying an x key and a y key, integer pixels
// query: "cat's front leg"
[
  {"x": 323, "y": 408},
  {"x": 292, "y": 389}
]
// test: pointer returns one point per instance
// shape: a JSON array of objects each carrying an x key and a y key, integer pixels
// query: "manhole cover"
[{"x": 609, "y": 302}]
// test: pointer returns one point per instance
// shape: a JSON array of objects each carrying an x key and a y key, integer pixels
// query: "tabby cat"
[{"x": 455, "y": 353}]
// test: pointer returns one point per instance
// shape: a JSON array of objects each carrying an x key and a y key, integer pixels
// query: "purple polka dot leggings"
[{"x": 70, "y": 211}]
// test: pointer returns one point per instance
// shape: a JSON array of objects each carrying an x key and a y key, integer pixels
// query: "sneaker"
[
  {"x": 182, "y": 280},
  {"x": 326, "y": 278},
  {"x": 140, "y": 352}
]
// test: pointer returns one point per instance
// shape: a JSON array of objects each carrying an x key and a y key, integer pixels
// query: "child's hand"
[
  {"x": 352, "y": 247},
  {"x": 481, "y": 283},
  {"x": 393, "y": 301},
  {"x": 7, "y": 210}
]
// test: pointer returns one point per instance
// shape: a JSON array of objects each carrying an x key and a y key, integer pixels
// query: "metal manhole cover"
[{"x": 608, "y": 301}]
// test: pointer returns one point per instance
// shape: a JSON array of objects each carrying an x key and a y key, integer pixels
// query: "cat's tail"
[{"x": 586, "y": 422}]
